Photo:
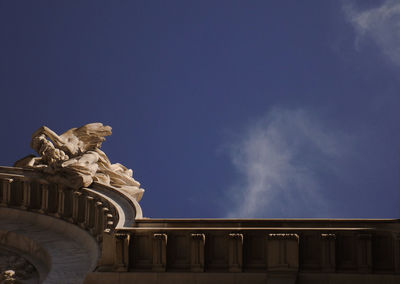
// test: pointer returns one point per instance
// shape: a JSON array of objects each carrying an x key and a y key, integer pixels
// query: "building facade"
[{"x": 50, "y": 233}]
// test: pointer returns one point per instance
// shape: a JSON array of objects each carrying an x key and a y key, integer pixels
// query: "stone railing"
[
  {"x": 97, "y": 209},
  {"x": 268, "y": 248},
  {"x": 136, "y": 249}
]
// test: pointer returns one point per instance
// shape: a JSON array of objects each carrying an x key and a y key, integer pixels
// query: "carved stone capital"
[{"x": 283, "y": 236}]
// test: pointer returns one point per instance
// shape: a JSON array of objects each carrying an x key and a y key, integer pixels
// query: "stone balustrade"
[
  {"x": 96, "y": 209},
  {"x": 291, "y": 249},
  {"x": 234, "y": 251}
]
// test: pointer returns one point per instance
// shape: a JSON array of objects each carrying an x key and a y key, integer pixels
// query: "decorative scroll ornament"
[{"x": 74, "y": 158}]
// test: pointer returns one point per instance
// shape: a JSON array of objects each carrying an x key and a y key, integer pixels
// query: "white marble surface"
[{"x": 74, "y": 158}]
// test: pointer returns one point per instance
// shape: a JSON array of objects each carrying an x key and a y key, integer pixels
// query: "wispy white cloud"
[
  {"x": 380, "y": 24},
  {"x": 280, "y": 160}
]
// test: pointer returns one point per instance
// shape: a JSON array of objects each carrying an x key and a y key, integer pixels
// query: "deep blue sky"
[{"x": 221, "y": 108}]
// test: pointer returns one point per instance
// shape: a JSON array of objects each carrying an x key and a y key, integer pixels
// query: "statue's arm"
[
  {"x": 46, "y": 149},
  {"x": 44, "y": 130}
]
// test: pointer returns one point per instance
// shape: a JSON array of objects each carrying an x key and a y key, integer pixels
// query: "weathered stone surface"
[
  {"x": 59, "y": 251},
  {"x": 14, "y": 268},
  {"x": 74, "y": 158}
]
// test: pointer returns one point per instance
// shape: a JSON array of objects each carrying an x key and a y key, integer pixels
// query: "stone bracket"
[
  {"x": 159, "y": 252},
  {"x": 26, "y": 195},
  {"x": 44, "y": 204},
  {"x": 6, "y": 191},
  {"x": 197, "y": 252},
  {"x": 283, "y": 252},
  {"x": 328, "y": 252},
  {"x": 121, "y": 257},
  {"x": 396, "y": 238},
  {"x": 364, "y": 253},
  {"x": 235, "y": 252}
]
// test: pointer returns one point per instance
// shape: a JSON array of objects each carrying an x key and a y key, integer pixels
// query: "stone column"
[
  {"x": 98, "y": 219},
  {"x": 76, "y": 196},
  {"x": 67, "y": 206},
  {"x": 396, "y": 239},
  {"x": 235, "y": 252},
  {"x": 282, "y": 258},
  {"x": 104, "y": 212},
  {"x": 44, "y": 203},
  {"x": 26, "y": 195},
  {"x": 328, "y": 252},
  {"x": 121, "y": 260},
  {"x": 364, "y": 255},
  {"x": 60, "y": 201},
  {"x": 159, "y": 252},
  {"x": 283, "y": 252},
  {"x": 52, "y": 199},
  {"x": 5, "y": 191},
  {"x": 107, "y": 259},
  {"x": 17, "y": 192},
  {"x": 197, "y": 252},
  {"x": 89, "y": 210},
  {"x": 109, "y": 221}
]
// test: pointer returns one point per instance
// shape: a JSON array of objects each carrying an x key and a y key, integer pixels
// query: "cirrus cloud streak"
[
  {"x": 380, "y": 24},
  {"x": 281, "y": 160}
]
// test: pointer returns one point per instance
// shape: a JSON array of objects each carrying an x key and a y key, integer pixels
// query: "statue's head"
[{"x": 39, "y": 143}]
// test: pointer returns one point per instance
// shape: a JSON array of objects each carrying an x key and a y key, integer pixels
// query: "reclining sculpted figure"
[{"x": 74, "y": 158}]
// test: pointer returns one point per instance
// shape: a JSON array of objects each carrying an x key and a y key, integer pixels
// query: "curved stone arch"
[
  {"x": 61, "y": 252},
  {"x": 125, "y": 207},
  {"x": 90, "y": 215},
  {"x": 26, "y": 248}
]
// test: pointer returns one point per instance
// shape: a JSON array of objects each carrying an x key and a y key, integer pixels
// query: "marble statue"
[{"x": 74, "y": 158}]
